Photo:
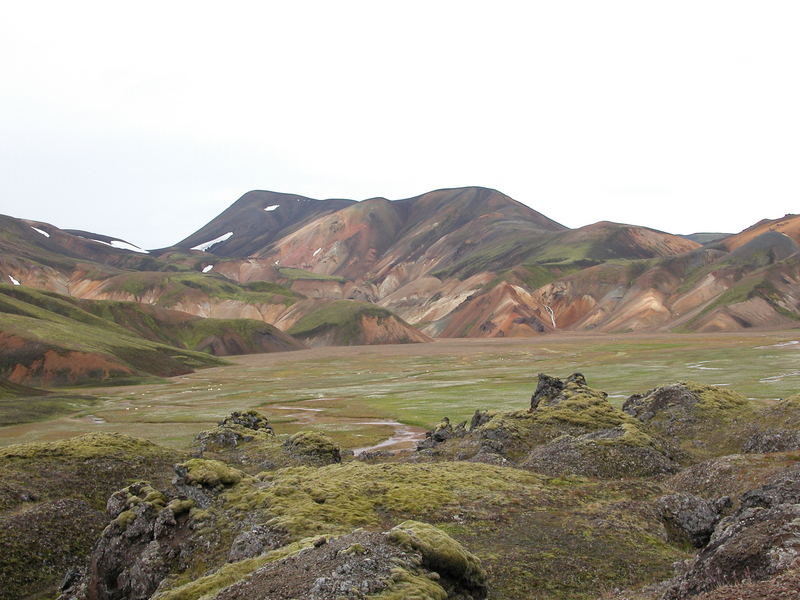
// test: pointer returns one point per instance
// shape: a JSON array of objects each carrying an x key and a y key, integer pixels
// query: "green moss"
[
  {"x": 338, "y": 498},
  {"x": 355, "y": 549},
  {"x": 406, "y": 585},
  {"x": 208, "y": 586},
  {"x": 211, "y": 473},
  {"x": 314, "y": 444},
  {"x": 579, "y": 407},
  {"x": 712, "y": 398},
  {"x": 179, "y": 507},
  {"x": 440, "y": 552},
  {"x": 90, "y": 445}
]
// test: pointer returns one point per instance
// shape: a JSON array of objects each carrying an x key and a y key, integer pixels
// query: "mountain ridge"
[{"x": 453, "y": 262}]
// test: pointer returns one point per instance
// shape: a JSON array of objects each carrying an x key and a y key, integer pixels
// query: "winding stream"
[{"x": 404, "y": 437}]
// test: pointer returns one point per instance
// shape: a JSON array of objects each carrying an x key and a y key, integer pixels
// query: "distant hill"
[
  {"x": 706, "y": 237},
  {"x": 48, "y": 339},
  {"x": 452, "y": 262}
]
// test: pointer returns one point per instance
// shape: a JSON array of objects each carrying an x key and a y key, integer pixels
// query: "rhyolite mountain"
[{"x": 449, "y": 263}]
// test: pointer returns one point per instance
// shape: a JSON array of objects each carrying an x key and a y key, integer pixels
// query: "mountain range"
[{"x": 279, "y": 271}]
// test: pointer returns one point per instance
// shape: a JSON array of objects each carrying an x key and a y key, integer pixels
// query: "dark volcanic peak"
[
  {"x": 107, "y": 240},
  {"x": 257, "y": 219}
]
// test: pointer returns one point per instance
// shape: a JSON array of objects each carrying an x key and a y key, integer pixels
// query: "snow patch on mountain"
[{"x": 205, "y": 246}]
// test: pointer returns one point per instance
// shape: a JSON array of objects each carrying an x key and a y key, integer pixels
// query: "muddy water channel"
[{"x": 402, "y": 438}]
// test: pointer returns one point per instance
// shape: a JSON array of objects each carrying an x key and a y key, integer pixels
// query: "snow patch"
[
  {"x": 206, "y": 269},
  {"x": 272, "y": 207},
  {"x": 118, "y": 244},
  {"x": 204, "y": 247},
  {"x": 37, "y": 230},
  {"x": 14, "y": 281},
  {"x": 317, "y": 251}
]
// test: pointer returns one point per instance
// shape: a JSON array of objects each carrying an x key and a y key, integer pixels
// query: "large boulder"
[
  {"x": 757, "y": 544},
  {"x": 690, "y": 518},
  {"x": 702, "y": 420}
]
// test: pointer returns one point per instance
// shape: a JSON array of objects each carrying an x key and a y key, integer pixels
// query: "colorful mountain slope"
[{"x": 452, "y": 262}]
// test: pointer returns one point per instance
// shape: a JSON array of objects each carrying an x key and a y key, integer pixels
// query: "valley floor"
[{"x": 369, "y": 395}]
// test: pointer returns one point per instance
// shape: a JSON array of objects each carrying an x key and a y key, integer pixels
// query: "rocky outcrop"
[
  {"x": 599, "y": 454},
  {"x": 690, "y": 518},
  {"x": 549, "y": 388},
  {"x": 248, "y": 440},
  {"x": 703, "y": 420},
  {"x": 413, "y": 560},
  {"x": 759, "y": 543},
  {"x": 147, "y": 537},
  {"x": 570, "y": 428},
  {"x": 774, "y": 440},
  {"x": 233, "y": 430},
  {"x": 441, "y": 433}
]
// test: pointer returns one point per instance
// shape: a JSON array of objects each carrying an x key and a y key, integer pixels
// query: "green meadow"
[{"x": 364, "y": 395}]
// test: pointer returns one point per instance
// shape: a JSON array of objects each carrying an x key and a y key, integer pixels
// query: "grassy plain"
[{"x": 365, "y": 394}]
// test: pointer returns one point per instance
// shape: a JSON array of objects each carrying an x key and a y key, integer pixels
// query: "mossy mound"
[
  {"x": 605, "y": 454},
  {"x": 39, "y": 544},
  {"x": 313, "y": 446},
  {"x": 69, "y": 468},
  {"x": 209, "y": 473},
  {"x": 571, "y": 428},
  {"x": 207, "y": 586},
  {"x": 442, "y": 554},
  {"x": 703, "y": 420},
  {"x": 248, "y": 441}
]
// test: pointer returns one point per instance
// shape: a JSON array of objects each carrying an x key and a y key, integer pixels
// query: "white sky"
[{"x": 144, "y": 120}]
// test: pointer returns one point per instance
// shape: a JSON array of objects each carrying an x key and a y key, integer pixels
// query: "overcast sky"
[{"x": 144, "y": 120}]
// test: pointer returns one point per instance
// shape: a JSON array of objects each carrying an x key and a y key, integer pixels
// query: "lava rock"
[{"x": 689, "y": 517}]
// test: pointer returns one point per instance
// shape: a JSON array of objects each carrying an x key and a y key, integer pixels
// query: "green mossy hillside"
[
  {"x": 169, "y": 289},
  {"x": 69, "y": 468},
  {"x": 115, "y": 340},
  {"x": 343, "y": 317}
]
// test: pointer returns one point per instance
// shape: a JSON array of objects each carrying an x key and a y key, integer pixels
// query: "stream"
[{"x": 404, "y": 437}]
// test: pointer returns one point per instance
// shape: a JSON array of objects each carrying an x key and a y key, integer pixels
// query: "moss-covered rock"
[
  {"x": 212, "y": 474},
  {"x": 443, "y": 554},
  {"x": 314, "y": 446},
  {"x": 570, "y": 428},
  {"x": 703, "y": 420},
  {"x": 247, "y": 440}
]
